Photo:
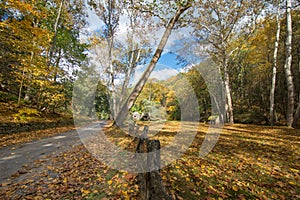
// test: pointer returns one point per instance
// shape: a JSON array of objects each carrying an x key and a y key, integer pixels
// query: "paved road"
[{"x": 14, "y": 157}]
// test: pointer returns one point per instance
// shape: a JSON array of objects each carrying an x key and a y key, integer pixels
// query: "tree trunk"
[
  {"x": 297, "y": 114},
  {"x": 51, "y": 52},
  {"x": 132, "y": 64},
  {"x": 287, "y": 66},
  {"x": 26, "y": 98},
  {"x": 113, "y": 92},
  {"x": 110, "y": 41},
  {"x": 135, "y": 52},
  {"x": 229, "y": 107},
  {"x": 57, "y": 65},
  {"x": 139, "y": 86},
  {"x": 272, "y": 92},
  {"x": 21, "y": 87}
]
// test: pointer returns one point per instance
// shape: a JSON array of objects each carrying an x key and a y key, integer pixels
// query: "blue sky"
[
  {"x": 170, "y": 59},
  {"x": 167, "y": 66}
]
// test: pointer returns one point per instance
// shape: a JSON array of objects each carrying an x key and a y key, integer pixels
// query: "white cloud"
[
  {"x": 163, "y": 74},
  {"x": 186, "y": 68},
  {"x": 94, "y": 22}
]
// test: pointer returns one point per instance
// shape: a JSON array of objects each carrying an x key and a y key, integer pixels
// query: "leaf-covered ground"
[{"x": 248, "y": 162}]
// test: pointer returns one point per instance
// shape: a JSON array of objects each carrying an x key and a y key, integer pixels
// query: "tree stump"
[{"x": 150, "y": 182}]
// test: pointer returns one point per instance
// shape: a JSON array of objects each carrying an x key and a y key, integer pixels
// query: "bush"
[{"x": 26, "y": 114}]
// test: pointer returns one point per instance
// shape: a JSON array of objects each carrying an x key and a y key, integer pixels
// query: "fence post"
[{"x": 151, "y": 187}]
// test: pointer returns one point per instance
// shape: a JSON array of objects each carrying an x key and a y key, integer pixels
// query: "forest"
[
  {"x": 231, "y": 63},
  {"x": 46, "y": 46}
]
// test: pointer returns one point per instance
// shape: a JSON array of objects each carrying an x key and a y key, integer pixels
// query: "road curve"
[{"x": 12, "y": 158}]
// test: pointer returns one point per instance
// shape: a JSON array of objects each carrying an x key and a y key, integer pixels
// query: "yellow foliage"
[
  {"x": 25, "y": 114},
  {"x": 235, "y": 188}
]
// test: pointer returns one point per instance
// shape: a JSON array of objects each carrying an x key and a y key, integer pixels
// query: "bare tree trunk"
[
  {"x": 297, "y": 114},
  {"x": 134, "y": 58},
  {"x": 287, "y": 66},
  {"x": 109, "y": 21},
  {"x": 51, "y": 52},
  {"x": 21, "y": 86},
  {"x": 229, "y": 107},
  {"x": 112, "y": 84},
  {"x": 26, "y": 98},
  {"x": 272, "y": 92},
  {"x": 139, "y": 86}
]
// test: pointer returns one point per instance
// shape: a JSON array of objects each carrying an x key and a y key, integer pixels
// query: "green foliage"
[
  {"x": 213, "y": 117},
  {"x": 173, "y": 107},
  {"x": 101, "y": 102}
]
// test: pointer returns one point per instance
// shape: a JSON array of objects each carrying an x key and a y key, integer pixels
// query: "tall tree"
[
  {"x": 26, "y": 33},
  {"x": 181, "y": 7},
  {"x": 274, "y": 71},
  {"x": 288, "y": 66},
  {"x": 297, "y": 62},
  {"x": 136, "y": 47},
  {"x": 218, "y": 24},
  {"x": 109, "y": 11},
  {"x": 55, "y": 29}
]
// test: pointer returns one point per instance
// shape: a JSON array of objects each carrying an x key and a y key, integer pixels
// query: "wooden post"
[
  {"x": 131, "y": 128},
  {"x": 150, "y": 182}
]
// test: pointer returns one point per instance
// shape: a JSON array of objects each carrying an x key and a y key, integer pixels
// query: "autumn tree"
[
  {"x": 136, "y": 49},
  {"x": 117, "y": 56},
  {"x": 274, "y": 70},
  {"x": 218, "y": 23},
  {"x": 296, "y": 57},
  {"x": 288, "y": 65},
  {"x": 27, "y": 34},
  {"x": 169, "y": 20},
  {"x": 252, "y": 70},
  {"x": 109, "y": 12},
  {"x": 23, "y": 32}
]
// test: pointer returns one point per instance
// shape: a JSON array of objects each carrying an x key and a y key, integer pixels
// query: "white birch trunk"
[
  {"x": 274, "y": 72},
  {"x": 287, "y": 66}
]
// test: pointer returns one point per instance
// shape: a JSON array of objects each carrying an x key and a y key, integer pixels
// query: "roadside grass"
[{"x": 248, "y": 162}]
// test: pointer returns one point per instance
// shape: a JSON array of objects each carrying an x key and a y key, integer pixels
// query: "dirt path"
[{"x": 14, "y": 158}]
